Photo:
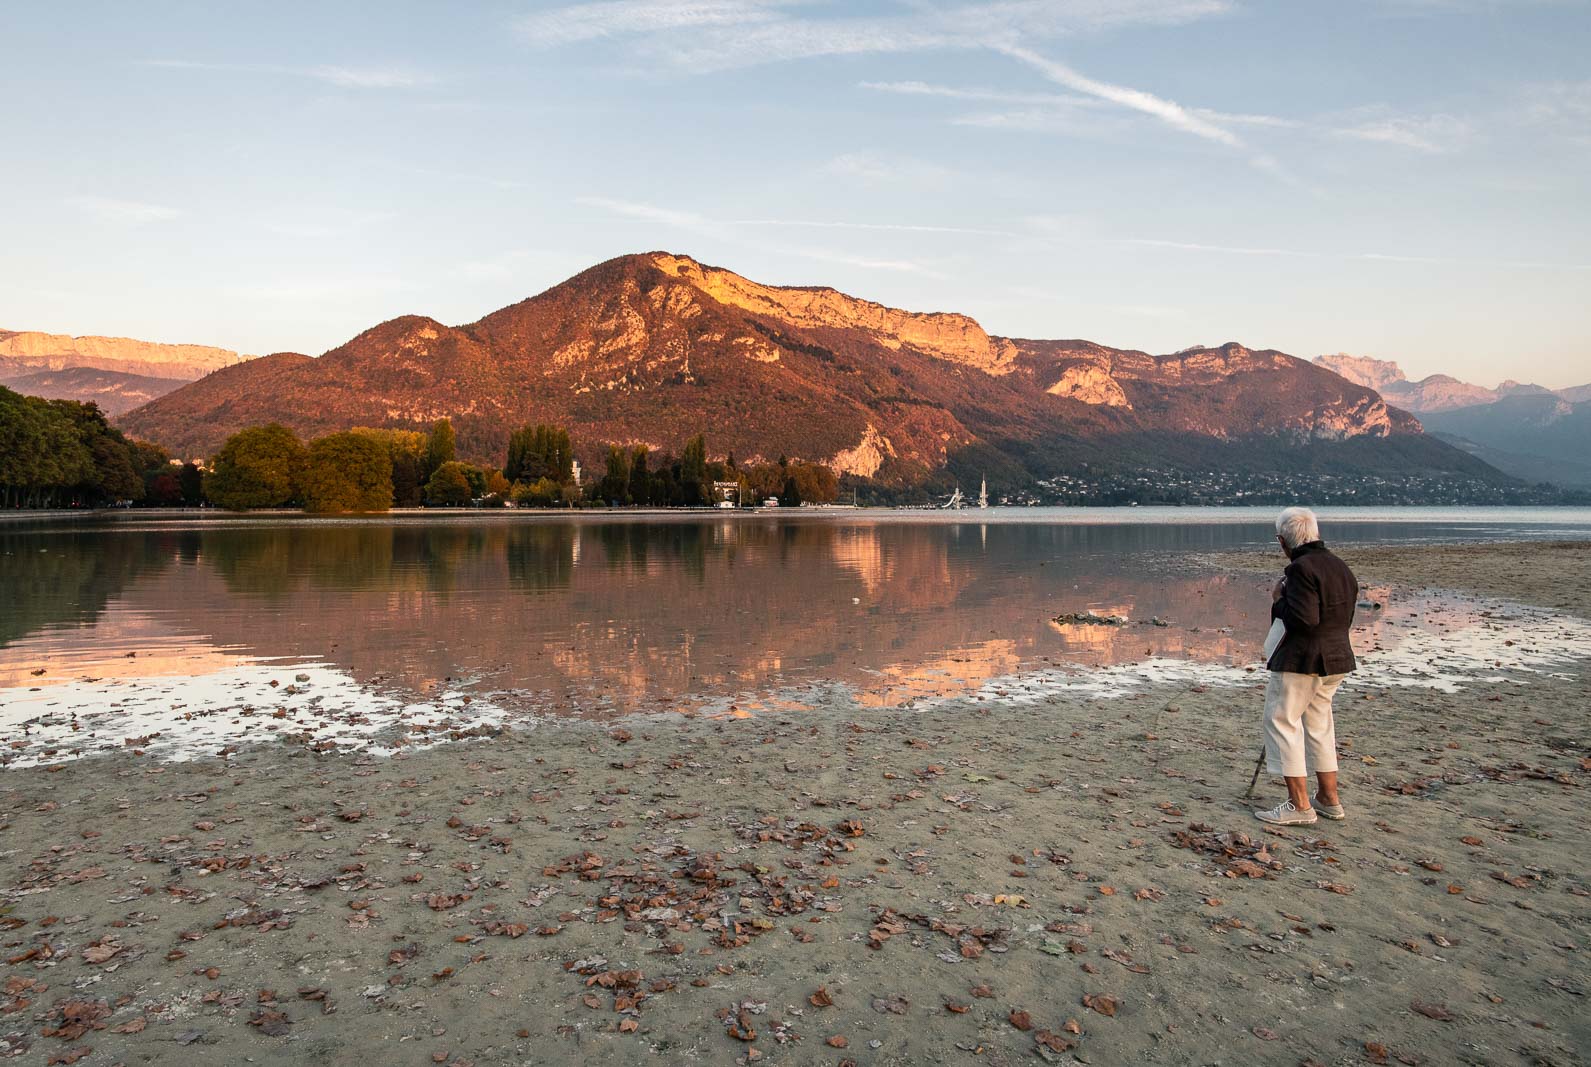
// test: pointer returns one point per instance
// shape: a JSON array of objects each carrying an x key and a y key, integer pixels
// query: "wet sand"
[{"x": 972, "y": 881}]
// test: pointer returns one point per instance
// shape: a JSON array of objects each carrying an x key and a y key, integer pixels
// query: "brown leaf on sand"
[
  {"x": 1438, "y": 1012},
  {"x": 957, "y": 1007},
  {"x": 628, "y": 1026},
  {"x": 838, "y": 1041},
  {"x": 273, "y": 1023},
  {"x": 131, "y": 1026},
  {"x": 444, "y": 901},
  {"x": 1021, "y": 1019},
  {"x": 1101, "y": 1003},
  {"x": 1334, "y": 887},
  {"x": 70, "y": 1056},
  {"x": 1473, "y": 842},
  {"x": 1375, "y": 1052},
  {"x": 1053, "y": 1041},
  {"x": 982, "y": 991},
  {"x": 822, "y": 998},
  {"x": 1265, "y": 1034},
  {"x": 101, "y": 952},
  {"x": 1124, "y": 959}
]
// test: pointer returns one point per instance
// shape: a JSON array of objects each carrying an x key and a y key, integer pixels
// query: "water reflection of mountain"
[
  {"x": 621, "y": 612},
  {"x": 67, "y": 578}
]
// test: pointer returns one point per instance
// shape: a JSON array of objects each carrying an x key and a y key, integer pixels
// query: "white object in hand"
[{"x": 1274, "y": 637}]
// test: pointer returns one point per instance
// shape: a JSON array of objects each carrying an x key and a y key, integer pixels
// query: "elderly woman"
[{"x": 1313, "y": 602}]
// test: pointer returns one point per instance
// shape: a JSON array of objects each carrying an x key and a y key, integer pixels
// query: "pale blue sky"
[{"x": 1405, "y": 179}]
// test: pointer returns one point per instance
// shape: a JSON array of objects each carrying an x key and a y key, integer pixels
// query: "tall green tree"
[
  {"x": 615, "y": 485},
  {"x": 259, "y": 467},
  {"x": 539, "y": 451},
  {"x": 640, "y": 492},
  {"x": 191, "y": 478},
  {"x": 439, "y": 446},
  {"x": 348, "y": 471},
  {"x": 694, "y": 487}
]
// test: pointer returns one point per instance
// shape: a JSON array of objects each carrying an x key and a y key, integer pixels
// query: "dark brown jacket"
[{"x": 1318, "y": 598}]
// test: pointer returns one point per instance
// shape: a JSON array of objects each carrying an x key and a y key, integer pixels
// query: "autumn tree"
[
  {"x": 408, "y": 451},
  {"x": 348, "y": 471},
  {"x": 259, "y": 467},
  {"x": 449, "y": 486}
]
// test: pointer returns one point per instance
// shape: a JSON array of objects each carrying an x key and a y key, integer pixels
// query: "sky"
[{"x": 1403, "y": 179}]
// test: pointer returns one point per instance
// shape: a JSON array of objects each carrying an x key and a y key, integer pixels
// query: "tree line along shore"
[{"x": 64, "y": 454}]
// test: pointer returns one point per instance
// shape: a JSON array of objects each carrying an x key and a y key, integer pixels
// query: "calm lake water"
[{"x": 166, "y": 621}]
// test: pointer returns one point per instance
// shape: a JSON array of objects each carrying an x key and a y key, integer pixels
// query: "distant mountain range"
[
  {"x": 117, "y": 373},
  {"x": 653, "y": 348},
  {"x": 1529, "y": 431}
]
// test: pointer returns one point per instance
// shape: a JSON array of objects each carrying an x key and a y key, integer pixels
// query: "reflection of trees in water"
[
  {"x": 646, "y": 608},
  {"x": 274, "y": 561},
  {"x": 541, "y": 557},
  {"x": 67, "y": 578}
]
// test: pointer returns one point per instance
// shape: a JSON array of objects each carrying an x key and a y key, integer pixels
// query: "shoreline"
[
  {"x": 1572, "y": 515},
  {"x": 943, "y": 874}
]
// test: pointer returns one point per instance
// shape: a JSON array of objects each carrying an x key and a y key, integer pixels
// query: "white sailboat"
[{"x": 983, "y": 494}]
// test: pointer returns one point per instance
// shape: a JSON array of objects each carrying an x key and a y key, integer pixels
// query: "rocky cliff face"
[
  {"x": 1362, "y": 370},
  {"x": 31, "y": 350},
  {"x": 651, "y": 349}
]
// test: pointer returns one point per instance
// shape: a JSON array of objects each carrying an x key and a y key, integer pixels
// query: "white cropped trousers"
[{"x": 1300, "y": 737}]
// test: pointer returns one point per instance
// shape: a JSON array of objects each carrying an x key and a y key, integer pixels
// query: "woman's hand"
[{"x": 1276, "y": 590}]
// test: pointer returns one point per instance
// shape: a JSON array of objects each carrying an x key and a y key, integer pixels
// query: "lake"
[{"x": 185, "y": 633}]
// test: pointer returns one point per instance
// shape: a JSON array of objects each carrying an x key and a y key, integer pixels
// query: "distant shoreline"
[{"x": 1554, "y": 514}]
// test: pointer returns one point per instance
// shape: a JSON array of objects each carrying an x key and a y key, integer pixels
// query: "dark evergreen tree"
[{"x": 439, "y": 446}]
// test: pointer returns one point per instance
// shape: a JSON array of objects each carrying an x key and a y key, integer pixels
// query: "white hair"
[{"x": 1297, "y": 526}]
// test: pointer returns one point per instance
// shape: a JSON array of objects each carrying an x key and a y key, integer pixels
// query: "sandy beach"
[{"x": 980, "y": 880}]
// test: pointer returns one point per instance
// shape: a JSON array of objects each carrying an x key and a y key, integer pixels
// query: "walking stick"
[{"x": 1252, "y": 782}]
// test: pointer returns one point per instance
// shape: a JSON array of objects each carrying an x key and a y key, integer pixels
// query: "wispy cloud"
[
  {"x": 705, "y": 35},
  {"x": 618, "y": 18},
  {"x": 1167, "y": 111},
  {"x": 888, "y": 170},
  {"x": 952, "y": 92},
  {"x": 1561, "y": 107},
  {"x": 124, "y": 212},
  {"x": 634, "y": 209},
  {"x": 1430, "y": 133},
  {"x": 345, "y": 77}
]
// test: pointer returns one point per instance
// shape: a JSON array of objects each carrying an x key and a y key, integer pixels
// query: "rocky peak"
[
  {"x": 1362, "y": 370},
  {"x": 945, "y": 335}
]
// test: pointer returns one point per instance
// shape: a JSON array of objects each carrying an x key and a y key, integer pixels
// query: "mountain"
[
  {"x": 654, "y": 348},
  {"x": 114, "y": 391},
  {"x": 1529, "y": 431},
  {"x": 24, "y": 351},
  {"x": 1531, "y": 436},
  {"x": 1436, "y": 392}
]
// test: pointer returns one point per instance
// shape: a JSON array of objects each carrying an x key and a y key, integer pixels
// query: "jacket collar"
[{"x": 1307, "y": 546}]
